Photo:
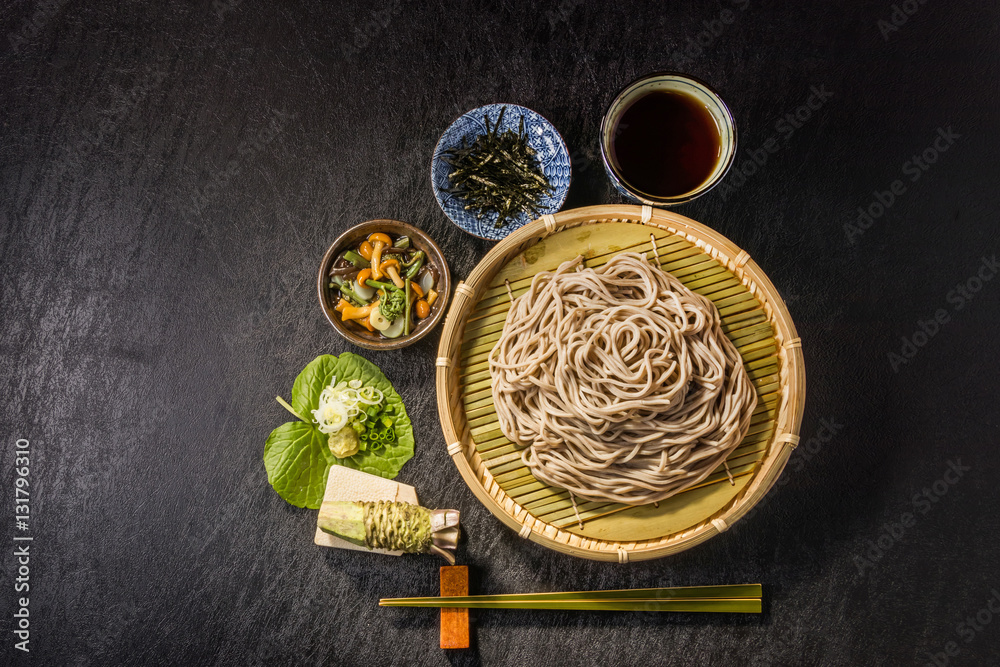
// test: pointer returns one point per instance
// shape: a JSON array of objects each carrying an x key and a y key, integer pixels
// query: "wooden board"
[{"x": 755, "y": 321}]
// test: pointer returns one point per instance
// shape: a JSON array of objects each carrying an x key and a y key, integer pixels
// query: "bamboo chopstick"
[
  {"x": 743, "y": 598},
  {"x": 733, "y": 605},
  {"x": 733, "y": 591}
]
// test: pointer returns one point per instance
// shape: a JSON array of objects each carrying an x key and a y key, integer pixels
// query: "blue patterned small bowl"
[{"x": 542, "y": 136}]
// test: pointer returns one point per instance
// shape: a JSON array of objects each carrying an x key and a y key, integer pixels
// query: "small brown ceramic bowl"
[{"x": 349, "y": 240}]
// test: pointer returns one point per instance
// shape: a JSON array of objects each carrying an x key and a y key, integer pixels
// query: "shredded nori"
[{"x": 498, "y": 174}]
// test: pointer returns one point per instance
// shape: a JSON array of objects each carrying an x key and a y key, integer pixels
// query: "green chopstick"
[
  {"x": 743, "y": 598},
  {"x": 732, "y": 606}
]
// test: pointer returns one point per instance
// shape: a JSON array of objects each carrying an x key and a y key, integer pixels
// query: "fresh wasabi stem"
[
  {"x": 288, "y": 407},
  {"x": 350, "y": 295},
  {"x": 336, "y": 282},
  {"x": 418, "y": 257},
  {"x": 411, "y": 271},
  {"x": 413, "y": 268},
  {"x": 378, "y": 284},
  {"x": 393, "y": 526},
  {"x": 406, "y": 310},
  {"x": 357, "y": 260}
]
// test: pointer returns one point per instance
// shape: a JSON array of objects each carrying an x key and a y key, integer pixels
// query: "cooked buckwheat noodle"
[{"x": 619, "y": 381}]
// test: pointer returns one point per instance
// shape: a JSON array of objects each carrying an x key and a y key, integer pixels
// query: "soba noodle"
[{"x": 619, "y": 382}]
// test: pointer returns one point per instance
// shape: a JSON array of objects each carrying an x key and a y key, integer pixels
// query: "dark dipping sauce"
[{"x": 665, "y": 144}]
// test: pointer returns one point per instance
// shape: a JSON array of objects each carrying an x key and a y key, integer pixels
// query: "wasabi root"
[{"x": 393, "y": 526}]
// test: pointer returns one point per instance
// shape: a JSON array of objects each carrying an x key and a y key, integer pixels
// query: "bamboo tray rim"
[{"x": 736, "y": 261}]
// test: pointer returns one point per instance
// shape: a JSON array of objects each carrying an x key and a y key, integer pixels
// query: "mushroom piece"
[
  {"x": 357, "y": 313},
  {"x": 361, "y": 288},
  {"x": 378, "y": 241},
  {"x": 423, "y": 308},
  {"x": 390, "y": 267}
]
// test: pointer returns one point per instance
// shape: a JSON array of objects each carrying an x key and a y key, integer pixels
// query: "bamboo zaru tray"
[{"x": 753, "y": 316}]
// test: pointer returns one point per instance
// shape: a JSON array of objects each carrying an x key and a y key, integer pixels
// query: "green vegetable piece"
[
  {"x": 393, "y": 304},
  {"x": 418, "y": 259},
  {"x": 357, "y": 260},
  {"x": 416, "y": 263},
  {"x": 297, "y": 455},
  {"x": 378, "y": 284},
  {"x": 350, "y": 295},
  {"x": 403, "y": 242},
  {"x": 408, "y": 305}
]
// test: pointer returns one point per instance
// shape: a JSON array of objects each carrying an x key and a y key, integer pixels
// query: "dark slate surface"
[{"x": 171, "y": 173}]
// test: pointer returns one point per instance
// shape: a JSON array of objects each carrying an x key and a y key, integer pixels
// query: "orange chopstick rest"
[{"x": 454, "y": 622}]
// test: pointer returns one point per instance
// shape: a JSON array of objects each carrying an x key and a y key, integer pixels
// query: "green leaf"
[
  {"x": 297, "y": 456},
  {"x": 297, "y": 460},
  {"x": 311, "y": 382},
  {"x": 387, "y": 461}
]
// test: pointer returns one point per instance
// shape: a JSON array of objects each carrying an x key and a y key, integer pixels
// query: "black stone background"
[{"x": 171, "y": 174}]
